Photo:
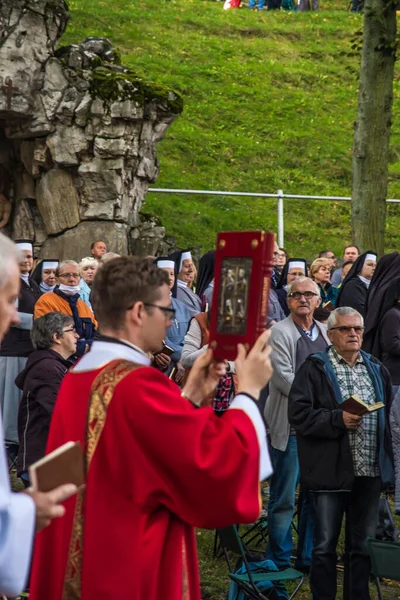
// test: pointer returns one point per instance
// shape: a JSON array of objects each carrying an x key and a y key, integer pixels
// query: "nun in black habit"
[
  {"x": 205, "y": 279},
  {"x": 387, "y": 347},
  {"x": 354, "y": 289},
  {"x": 387, "y": 269},
  {"x": 45, "y": 274},
  {"x": 293, "y": 269}
]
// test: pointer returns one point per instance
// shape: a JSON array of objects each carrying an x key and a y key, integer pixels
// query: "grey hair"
[
  {"x": 45, "y": 327},
  {"x": 301, "y": 280},
  {"x": 343, "y": 311},
  {"x": 9, "y": 256},
  {"x": 87, "y": 261},
  {"x": 66, "y": 262}
]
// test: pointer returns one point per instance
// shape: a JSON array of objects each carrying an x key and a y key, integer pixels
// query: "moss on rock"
[{"x": 114, "y": 86}]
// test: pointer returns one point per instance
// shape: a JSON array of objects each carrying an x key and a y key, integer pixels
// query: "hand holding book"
[
  {"x": 48, "y": 504},
  {"x": 353, "y": 410},
  {"x": 351, "y": 421},
  {"x": 356, "y": 406}
]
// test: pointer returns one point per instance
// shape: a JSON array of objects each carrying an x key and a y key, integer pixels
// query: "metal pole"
[
  {"x": 281, "y": 224},
  {"x": 256, "y": 195}
]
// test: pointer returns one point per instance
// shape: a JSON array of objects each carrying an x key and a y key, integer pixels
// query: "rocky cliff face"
[{"x": 78, "y": 136}]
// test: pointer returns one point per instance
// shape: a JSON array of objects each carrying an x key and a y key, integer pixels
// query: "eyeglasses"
[
  {"x": 68, "y": 275},
  {"x": 71, "y": 330},
  {"x": 343, "y": 329},
  {"x": 168, "y": 312},
  {"x": 298, "y": 295}
]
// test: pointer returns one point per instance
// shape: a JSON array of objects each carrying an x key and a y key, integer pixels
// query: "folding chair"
[
  {"x": 12, "y": 454},
  {"x": 385, "y": 560},
  {"x": 231, "y": 541},
  {"x": 257, "y": 533}
]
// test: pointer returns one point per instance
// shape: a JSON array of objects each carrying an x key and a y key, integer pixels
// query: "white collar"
[
  {"x": 181, "y": 283},
  {"x": 365, "y": 281},
  {"x": 103, "y": 352}
]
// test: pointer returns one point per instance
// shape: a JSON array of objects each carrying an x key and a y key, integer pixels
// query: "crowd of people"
[
  {"x": 291, "y": 5},
  {"x": 137, "y": 331},
  {"x": 259, "y": 5}
]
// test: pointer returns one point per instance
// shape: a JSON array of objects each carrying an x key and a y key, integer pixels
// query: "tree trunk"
[{"x": 372, "y": 128}]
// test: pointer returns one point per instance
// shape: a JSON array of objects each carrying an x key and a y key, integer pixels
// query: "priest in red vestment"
[{"x": 158, "y": 461}]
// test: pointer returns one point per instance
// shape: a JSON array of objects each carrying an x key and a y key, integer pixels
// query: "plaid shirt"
[
  {"x": 224, "y": 393},
  {"x": 363, "y": 440}
]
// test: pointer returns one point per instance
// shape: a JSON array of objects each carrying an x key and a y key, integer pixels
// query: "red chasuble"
[{"x": 156, "y": 468}]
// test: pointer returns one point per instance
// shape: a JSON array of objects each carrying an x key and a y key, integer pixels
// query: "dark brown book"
[
  {"x": 328, "y": 306},
  {"x": 63, "y": 465},
  {"x": 356, "y": 406},
  {"x": 166, "y": 350}
]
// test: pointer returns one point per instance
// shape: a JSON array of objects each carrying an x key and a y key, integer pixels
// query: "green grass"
[
  {"x": 215, "y": 581},
  {"x": 270, "y": 102},
  {"x": 214, "y": 572}
]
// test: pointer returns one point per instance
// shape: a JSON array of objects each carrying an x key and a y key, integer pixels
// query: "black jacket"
[
  {"x": 390, "y": 342},
  {"x": 322, "y": 439},
  {"x": 354, "y": 295},
  {"x": 17, "y": 341},
  {"x": 40, "y": 382}
]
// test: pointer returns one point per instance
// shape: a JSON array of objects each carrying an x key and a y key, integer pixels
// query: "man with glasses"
[
  {"x": 159, "y": 462},
  {"x": 66, "y": 299},
  {"x": 345, "y": 459},
  {"x": 275, "y": 311},
  {"x": 292, "y": 340}
]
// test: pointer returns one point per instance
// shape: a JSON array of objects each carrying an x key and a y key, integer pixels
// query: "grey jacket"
[
  {"x": 394, "y": 419},
  {"x": 284, "y": 338}
]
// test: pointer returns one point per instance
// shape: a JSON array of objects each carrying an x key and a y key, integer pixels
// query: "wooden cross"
[{"x": 8, "y": 87}]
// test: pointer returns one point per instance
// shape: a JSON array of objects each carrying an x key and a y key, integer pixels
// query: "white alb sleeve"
[
  {"x": 243, "y": 402},
  {"x": 17, "y": 523},
  {"x": 25, "y": 321}
]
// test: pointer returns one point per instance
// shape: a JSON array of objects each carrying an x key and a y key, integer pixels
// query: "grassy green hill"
[{"x": 270, "y": 102}]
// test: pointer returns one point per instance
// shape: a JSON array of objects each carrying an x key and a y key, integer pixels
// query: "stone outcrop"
[{"x": 78, "y": 135}]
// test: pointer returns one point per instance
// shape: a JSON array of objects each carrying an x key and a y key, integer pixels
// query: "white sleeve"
[
  {"x": 17, "y": 522},
  {"x": 243, "y": 402},
  {"x": 25, "y": 321},
  {"x": 192, "y": 345}
]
